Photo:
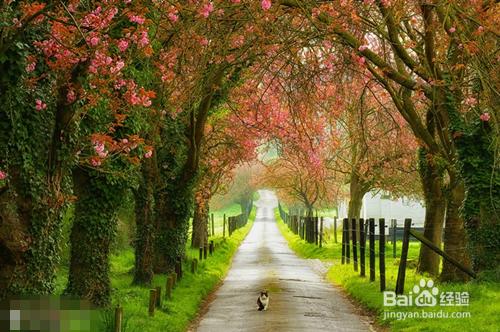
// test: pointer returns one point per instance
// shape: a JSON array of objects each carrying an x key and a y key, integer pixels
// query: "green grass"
[
  {"x": 484, "y": 305},
  {"x": 230, "y": 211},
  {"x": 175, "y": 315}
]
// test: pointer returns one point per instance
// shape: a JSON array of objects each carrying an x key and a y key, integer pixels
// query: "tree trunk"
[
  {"x": 435, "y": 207},
  {"x": 145, "y": 224},
  {"x": 172, "y": 228},
  {"x": 455, "y": 243},
  {"x": 94, "y": 228},
  {"x": 29, "y": 244},
  {"x": 200, "y": 231},
  {"x": 357, "y": 191},
  {"x": 482, "y": 201}
]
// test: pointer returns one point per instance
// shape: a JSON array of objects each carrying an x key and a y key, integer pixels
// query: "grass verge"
[
  {"x": 483, "y": 304},
  {"x": 176, "y": 314}
]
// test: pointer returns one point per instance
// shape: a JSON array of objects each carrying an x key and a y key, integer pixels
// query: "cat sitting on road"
[{"x": 263, "y": 300}]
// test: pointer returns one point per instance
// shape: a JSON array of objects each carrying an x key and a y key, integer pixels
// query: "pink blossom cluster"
[
  {"x": 40, "y": 105},
  {"x": 134, "y": 97},
  {"x": 3, "y": 175},
  {"x": 100, "y": 60},
  {"x": 100, "y": 149},
  {"x": 206, "y": 9},
  {"x": 140, "y": 37},
  {"x": 122, "y": 45},
  {"x": 485, "y": 117},
  {"x": 173, "y": 14},
  {"x": 137, "y": 19},
  {"x": 95, "y": 161},
  {"x": 99, "y": 19},
  {"x": 53, "y": 49},
  {"x": 265, "y": 4},
  {"x": 31, "y": 66}
]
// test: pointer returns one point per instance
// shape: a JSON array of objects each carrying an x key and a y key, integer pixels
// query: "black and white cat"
[{"x": 263, "y": 300}]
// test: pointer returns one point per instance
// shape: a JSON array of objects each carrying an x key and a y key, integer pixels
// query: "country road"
[{"x": 300, "y": 299}]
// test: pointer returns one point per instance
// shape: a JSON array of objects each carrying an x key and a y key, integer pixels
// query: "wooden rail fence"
[{"x": 355, "y": 233}]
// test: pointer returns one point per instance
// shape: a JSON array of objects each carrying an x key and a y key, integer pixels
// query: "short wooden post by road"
[
  {"x": 169, "y": 285},
  {"x": 213, "y": 225},
  {"x": 152, "y": 302},
  {"x": 343, "y": 242},
  {"x": 347, "y": 245},
  {"x": 400, "y": 282},
  {"x": 174, "y": 279},
  {"x": 362, "y": 246},
  {"x": 158, "y": 296},
  {"x": 224, "y": 226},
  {"x": 316, "y": 229},
  {"x": 205, "y": 251},
  {"x": 321, "y": 233},
  {"x": 118, "y": 318},
  {"x": 211, "y": 247},
  {"x": 372, "y": 248},
  {"x": 194, "y": 265},
  {"x": 335, "y": 229},
  {"x": 381, "y": 252},
  {"x": 201, "y": 254},
  {"x": 394, "y": 226},
  {"x": 178, "y": 268},
  {"x": 354, "y": 245}
]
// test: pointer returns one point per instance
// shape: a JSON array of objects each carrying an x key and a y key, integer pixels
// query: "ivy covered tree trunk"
[
  {"x": 455, "y": 240},
  {"x": 29, "y": 239},
  {"x": 93, "y": 231},
  {"x": 480, "y": 177},
  {"x": 32, "y": 197},
  {"x": 172, "y": 226},
  {"x": 435, "y": 207},
  {"x": 200, "y": 231},
  {"x": 145, "y": 223},
  {"x": 482, "y": 200}
]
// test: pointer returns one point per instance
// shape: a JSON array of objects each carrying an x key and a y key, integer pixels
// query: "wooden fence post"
[
  {"x": 118, "y": 318},
  {"x": 394, "y": 238},
  {"x": 335, "y": 229},
  {"x": 343, "y": 242},
  {"x": 224, "y": 226},
  {"x": 193, "y": 266},
  {"x": 211, "y": 247},
  {"x": 201, "y": 254},
  {"x": 354, "y": 245},
  {"x": 372, "y": 248},
  {"x": 400, "y": 282},
  {"x": 205, "y": 251},
  {"x": 152, "y": 302},
  {"x": 174, "y": 279},
  {"x": 321, "y": 233},
  {"x": 347, "y": 245},
  {"x": 362, "y": 246},
  {"x": 316, "y": 234},
  {"x": 168, "y": 287},
  {"x": 158, "y": 296},
  {"x": 213, "y": 225},
  {"x": 381, "y": 252}
]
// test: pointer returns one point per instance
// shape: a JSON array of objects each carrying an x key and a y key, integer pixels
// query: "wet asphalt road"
[{"x": 300, "y": 299}]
